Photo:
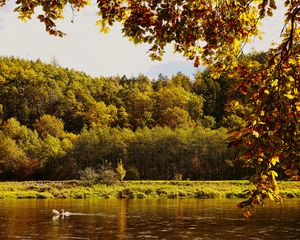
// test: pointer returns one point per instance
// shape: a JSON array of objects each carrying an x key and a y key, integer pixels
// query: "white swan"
[
  {"x": 63, "y": 213},
  {"x": 55, "y": 212}
]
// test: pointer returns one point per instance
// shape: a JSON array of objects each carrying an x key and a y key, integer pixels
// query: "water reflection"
[{"x": 146, "y": 219}]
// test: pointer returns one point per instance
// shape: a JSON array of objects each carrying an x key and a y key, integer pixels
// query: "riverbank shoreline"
[{"x": 137, "y": 189}]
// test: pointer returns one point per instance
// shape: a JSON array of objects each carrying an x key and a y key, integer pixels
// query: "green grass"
[{"x": 137, "y": 189}]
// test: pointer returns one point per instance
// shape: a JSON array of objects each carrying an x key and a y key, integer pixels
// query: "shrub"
[
  {"x": 89, "y": 175},
  {"x": 161, "y": 192},
  {"x": 141, "y": 195},
  {"x": 121, "y": 171},
  {"x": 181, "y": 194},
  {"x": 148, "y": 191},
  {"x": 204, "y": 195},
  {"x": 178, "y": 177},
  {"x": 126, "y": 193},
  {"x": 105, "y": 174},
  {"x": 108, "y": 176}
]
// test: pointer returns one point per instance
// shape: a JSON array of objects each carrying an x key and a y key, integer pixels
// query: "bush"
[
  {"x": 161, "y": 192},
  {"x": 105, "y": 174},
  {"x": 89, "y": 175},
  {"x": 204, "y": 195},
  {"x": 181, "y": 194},
  {"x": 178, "y": 177},
  {"x": 126, "y": 193},
  {"x": 121, "y": 171},
  {"x": 108, "y": 176},
  {"x": 141, "y": 195}
]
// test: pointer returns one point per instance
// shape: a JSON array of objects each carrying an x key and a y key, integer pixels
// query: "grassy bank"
[{"x": 137, "y": 189}]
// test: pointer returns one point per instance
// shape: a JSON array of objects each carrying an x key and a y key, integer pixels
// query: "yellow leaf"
[
  {"x": 199, "y": 49},
  {"x": 291, "y": 79},
  {"x": 255, "y": 133},
  {"x": 270, "y": 195},
  {"x": 236, "y": 104},
  {"x": 292, "y": 61},
  {"x": 236, "y": 44},
  {"x": 274, "y": 83},
  {"x": 274, "y": 160},
  {"x": 289, "y": 96}
]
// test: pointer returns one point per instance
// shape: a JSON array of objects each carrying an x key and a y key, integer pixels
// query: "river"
[{"x": 146, "y": 219}]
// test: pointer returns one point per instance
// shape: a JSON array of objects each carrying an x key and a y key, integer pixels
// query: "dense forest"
[{"x": 55, "y": 122}]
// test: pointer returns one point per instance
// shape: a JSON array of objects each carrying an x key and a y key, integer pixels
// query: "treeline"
[
  {"x": 56, "y": 122},
  {"x": 31, "y": 89},
  {"x": 48, "y": 152}
]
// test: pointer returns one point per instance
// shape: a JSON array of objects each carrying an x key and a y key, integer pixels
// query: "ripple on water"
[
  {"x": 79, "y": 238},
  {"x": 167, "y": 230},
  {"x": 192, "y": 228},
  {"x": 147, "y": 237},
  {"x": 206, "y": 219}
]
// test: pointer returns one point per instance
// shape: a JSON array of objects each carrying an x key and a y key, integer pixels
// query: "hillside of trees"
[{"x": 55, "y": 122}]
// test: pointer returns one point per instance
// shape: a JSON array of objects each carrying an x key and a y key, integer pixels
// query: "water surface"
[{"x": 146, "y": 219}]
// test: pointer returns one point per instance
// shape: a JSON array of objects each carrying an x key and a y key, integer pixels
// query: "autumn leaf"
[{"x": 274, "y": 160}]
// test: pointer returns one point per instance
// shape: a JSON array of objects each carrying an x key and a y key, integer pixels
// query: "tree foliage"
[
  {"x": 62, "y": 140},
  {"x": 13, "y": 159},
  {"x": 121, "y": 170}
]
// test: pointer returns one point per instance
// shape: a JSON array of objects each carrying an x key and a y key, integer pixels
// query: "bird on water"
[{"x": 63, "y": 213}]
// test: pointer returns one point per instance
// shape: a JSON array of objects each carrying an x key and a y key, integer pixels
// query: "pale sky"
[{"x": 86, "y": 49}]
